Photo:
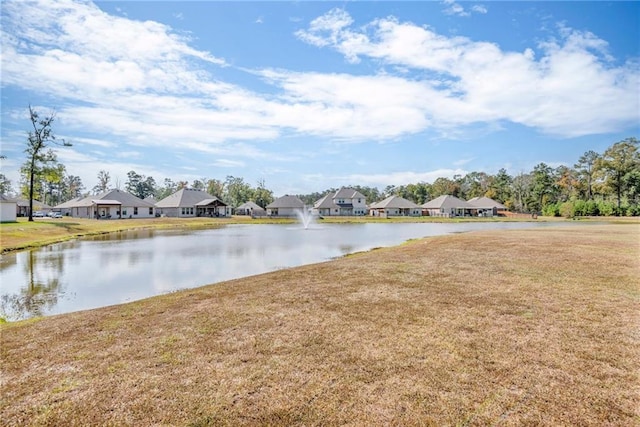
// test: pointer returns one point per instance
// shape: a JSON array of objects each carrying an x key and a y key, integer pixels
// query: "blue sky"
[{"x": 312, "y": 95}]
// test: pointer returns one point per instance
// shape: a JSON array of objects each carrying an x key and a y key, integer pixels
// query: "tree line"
[
  {"x": 597, "y": 184},
  {"x": 605, "y": 183}
]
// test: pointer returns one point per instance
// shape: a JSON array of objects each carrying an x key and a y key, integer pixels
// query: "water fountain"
[{"x": 305, "y": 217}]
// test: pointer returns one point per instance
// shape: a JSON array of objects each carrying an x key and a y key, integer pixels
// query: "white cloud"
[
  {"x": 479, "y": 8},
  {"x": 572, "y": 89},
  {"x": 402, "y": 178},
  {"x": 453, "y": 8}
]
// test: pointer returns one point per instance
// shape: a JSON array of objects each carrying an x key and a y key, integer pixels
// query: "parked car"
[
  {"x": 54, "y": 215},
  {"x": 38, "y": 214}
]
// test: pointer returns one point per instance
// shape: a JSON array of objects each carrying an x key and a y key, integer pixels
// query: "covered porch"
[
  {"x": 107, "y": 209},
  {"x": 212, "y": 207}
]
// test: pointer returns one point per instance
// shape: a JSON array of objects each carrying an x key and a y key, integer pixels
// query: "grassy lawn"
[{"x": 509, "y": 328}]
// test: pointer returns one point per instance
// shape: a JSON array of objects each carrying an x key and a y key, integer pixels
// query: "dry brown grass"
[{"x": 508, "y": 328}]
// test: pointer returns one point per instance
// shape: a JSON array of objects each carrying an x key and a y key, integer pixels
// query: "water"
[
  {"x": 121, "y": 267},
  {"x": 305, "y": 217}
]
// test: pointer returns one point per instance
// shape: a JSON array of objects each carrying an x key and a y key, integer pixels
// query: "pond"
[{"x": 122, "y": 267}]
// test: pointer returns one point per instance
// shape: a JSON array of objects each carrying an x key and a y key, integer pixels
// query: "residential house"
[
  {"x": 22, "y": 207},
  {"x": 250, "y": 208},
  {"x": 447, "y": 206},
  {"x": 286, "y": 206},
  {"x": 187, "y": 202},
  {"x": 8, "y": 209},
  {"x": 112, "y": 204},
  {"x": 394, "y": 206},
  {"x": 486, "y": 206},
  {"x": 344, "y": 202}
]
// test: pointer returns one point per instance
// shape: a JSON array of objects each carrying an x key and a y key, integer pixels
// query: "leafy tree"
[
  {"x": 617, "y": 161},
  {"x": 566, "y": 182},
  {"x": 442, "y": 186},
  {"x": 237, "y": 191},
  {"x": 73, "y": 187},
  {"x": 139, "y": 185},
  {"x": 215, "y": 187},
  {"x": 5, "y": 185},
  {"x": 542, "y": 185},
  {"x": 500, "y": 187},
  {"x": 168, "y": 188},
  {"x": 585, "y": 169},
  {"x": 38, "y": 140},
  {"x": 103, "y": 182},
  {"x": 261, "y": 195}
]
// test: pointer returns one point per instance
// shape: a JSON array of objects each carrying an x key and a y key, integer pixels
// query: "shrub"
[{"x": 567, "y": 210}]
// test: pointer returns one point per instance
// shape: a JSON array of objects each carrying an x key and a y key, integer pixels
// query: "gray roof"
[
  {"x": 111, "y": 197},
  {"x": 394, "y": 202},
  {"x": 184, "y": 198},
  {"x": 250, "y": 205},
  {"x": 286, "y": 202},
  {"x": 36, "y": 203},
  {"x": 325, "y": 203},
  {"x": 69, "y": 203},
  {"x": 348, "y": 193},
  {"x": 447, "y": 202},
  {"x": 485, "y": 203},
  {"x": 214, "y": 200}
]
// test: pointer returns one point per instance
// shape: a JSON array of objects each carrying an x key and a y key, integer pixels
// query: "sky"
[{"x": 307, "y": 96}]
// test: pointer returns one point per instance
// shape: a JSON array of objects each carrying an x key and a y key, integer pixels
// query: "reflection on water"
[
  {"x": 42, "y": 271},
  {"x": 120, "y": 267}
]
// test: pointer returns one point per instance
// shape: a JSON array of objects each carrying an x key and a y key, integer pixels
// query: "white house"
[
  {"x": 447, "y": 206},
  {"x": 395, "y": 206},
  {"x": 8, "y": 209},
  {"x": 486, "y": 206},
  {"x": 250, "y": 208},
  {"x": 344, "y": 202},
  {"x": 285, "y": 206},
  {"x": 113, "y": 204},
  {"x": 186, "y": 203}
]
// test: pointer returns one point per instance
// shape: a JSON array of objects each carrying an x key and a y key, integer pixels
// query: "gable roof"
[
  {"x": 111, "y": 197},
  {"x": 394, "y": 202},
  {"x": 485, "y": 203},
  {"x": 447, "y": 202},
  {"x": 184, "y": 198},
  {"x": 250, "y": 205},
  {"x": 36, "y": 204},
  {"x": 325, "y": 203},
  {"x": 126, "y": 199},
  {"x": 286, "y": 202},
  {"x": 348, "y": 193},
  {"x": 214, "y": 201}
]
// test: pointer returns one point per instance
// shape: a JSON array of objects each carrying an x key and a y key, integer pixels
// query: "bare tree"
[{"x": 38, "y": 139}]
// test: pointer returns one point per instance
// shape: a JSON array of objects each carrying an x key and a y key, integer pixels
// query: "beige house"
[
  {"x": 484, "y": 206},
  {"x": 394, "y": 206},
  {"x": 285, "y": 206},
  {"x": 187, "y": 203},
  {"x": 447, "y": 206},
  {"x": 344, "y": 202},
  {"x": 113, "y": 204}
]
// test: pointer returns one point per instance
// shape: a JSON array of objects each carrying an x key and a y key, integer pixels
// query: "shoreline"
[{"x": 24, "y": 235}]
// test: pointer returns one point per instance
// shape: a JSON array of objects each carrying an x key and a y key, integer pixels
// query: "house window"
[
  {"x": 124, "y": 212},
  {"x": 183, "y": 211},
  {"x": 150, "y": 211},
  {"x": 135, "y": 211}
]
